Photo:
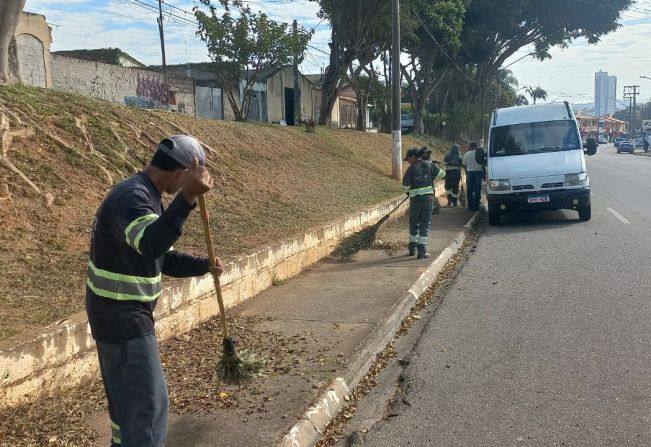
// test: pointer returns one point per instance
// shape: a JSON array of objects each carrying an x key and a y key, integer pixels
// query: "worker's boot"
[
  {"x": 450, "y": 200},
  {"x": 422, "y": 252},
  {"x": 412, "y": 248}
]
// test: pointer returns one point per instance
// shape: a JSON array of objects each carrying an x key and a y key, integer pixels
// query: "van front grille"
[
  {"x": 521, "y": 187},
  {"x": 552, "y": 185}
]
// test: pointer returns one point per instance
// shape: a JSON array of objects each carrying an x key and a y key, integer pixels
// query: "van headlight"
[
  {"x": 579, "y": 179},
  {"x": 499, "y": 185}
]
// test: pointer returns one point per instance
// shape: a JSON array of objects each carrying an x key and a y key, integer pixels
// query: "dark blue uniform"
[
  {"x": 130, "y": 248},
  {"x": 418, "y": 183}
]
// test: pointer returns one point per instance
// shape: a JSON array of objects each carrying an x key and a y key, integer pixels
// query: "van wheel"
[
  {"x": 585, "y": 213},
  {"x": 494, "y": 218}
]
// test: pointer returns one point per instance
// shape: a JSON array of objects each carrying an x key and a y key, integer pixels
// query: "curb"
[{"x": 307, "y": 431}]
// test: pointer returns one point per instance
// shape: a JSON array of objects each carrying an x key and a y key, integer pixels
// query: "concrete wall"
[
  {"x": 33, "y": 41},
  {"x": 122, "y": 85},
  {"x": 64, "y": 355}
]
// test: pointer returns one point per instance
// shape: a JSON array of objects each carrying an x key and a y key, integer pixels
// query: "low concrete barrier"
[{"x": 64, "y": 354}]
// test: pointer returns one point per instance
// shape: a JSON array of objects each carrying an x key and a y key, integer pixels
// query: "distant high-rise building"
[{"x": 605, "y": 94}]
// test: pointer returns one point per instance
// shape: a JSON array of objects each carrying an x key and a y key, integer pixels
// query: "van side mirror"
[{"x": 590, "y": 146}]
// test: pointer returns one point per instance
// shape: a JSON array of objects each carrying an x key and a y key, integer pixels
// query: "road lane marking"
[{"x": 621, "y": 218}]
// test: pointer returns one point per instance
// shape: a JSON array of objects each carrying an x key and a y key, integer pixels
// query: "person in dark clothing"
[
  {"x": 130, "y": 247},
  {"x": 645, "y": 142},
  {"x": 418, "y": 184},
  {"x": 474, "y": 175},
  {"x": 453, "y": 162},
  {"x": 426, "y": 156}
]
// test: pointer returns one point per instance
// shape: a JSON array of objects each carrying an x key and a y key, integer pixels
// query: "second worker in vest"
[{"x": 418, "y": 183}]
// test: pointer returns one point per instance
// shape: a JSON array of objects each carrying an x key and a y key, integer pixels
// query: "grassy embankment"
[{"x": 271, "y": 183}]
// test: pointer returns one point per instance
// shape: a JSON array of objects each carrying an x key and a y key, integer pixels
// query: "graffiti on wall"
[
  {"x": 154, "y": 88},
  {"x": 123, "y": 85},
  {"x": 138, "y": 101}
]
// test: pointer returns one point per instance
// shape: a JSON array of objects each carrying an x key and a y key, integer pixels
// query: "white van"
[{"x": 536, "y": 161}]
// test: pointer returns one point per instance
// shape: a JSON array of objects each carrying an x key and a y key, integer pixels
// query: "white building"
[{"x": 605, "y": 93}]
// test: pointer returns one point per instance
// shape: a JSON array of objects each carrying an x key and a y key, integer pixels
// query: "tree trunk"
[
  {"x": 419, "y": 124},
  {"x": 362, "y": 110},
  {"x": 230, "y": 95},
  {"x": 336, "y": 71},
  {"x": 9, "y": 15}
]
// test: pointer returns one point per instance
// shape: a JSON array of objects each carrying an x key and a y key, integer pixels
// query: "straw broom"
[
  {"x": 361, "y": 240},
  {"x": 233, "y": 368}
]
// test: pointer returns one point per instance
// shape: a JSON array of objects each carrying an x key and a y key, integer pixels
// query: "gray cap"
[{"x": 184, "y": 149}]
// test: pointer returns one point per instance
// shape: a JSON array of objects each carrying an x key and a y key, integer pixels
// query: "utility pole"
[
  {"x": 396, "y": 134},
  {"x": 297, "y": 86},
  {"x": 631, "y": 92},
  {"x": 162, "y": 37}
]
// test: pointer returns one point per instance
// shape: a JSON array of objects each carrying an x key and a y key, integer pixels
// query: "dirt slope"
[{"x": 67, "y": 151}]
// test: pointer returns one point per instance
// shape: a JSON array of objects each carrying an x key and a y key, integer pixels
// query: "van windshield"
[{"x": 534, "y": 138}]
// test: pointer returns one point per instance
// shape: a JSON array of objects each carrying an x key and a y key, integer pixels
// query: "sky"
[{"x": 131, "y": 26}]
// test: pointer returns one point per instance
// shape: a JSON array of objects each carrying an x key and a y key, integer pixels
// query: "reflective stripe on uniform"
[
  {"x": 452, "y": 168},
  {"x": 122, "y": 287},
  {"x": 421, "y": 191},
  {"x": 136, "y": 229},
  {"x": 115, "y": 433},
  {"x": 413, "y": 238},
  {"x": 422, "y": 240},
  {"x": 441, "y": 173}
]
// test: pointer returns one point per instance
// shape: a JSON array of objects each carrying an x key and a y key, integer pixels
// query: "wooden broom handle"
[{"x": 213, "y": 259}]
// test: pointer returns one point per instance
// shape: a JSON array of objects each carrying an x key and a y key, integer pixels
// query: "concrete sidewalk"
[{"x": 309, "y": 329}]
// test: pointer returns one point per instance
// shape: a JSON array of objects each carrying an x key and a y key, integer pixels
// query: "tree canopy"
[{"x": 242, "y": 43}]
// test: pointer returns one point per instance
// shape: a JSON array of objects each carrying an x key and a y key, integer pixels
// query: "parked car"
[
  {"x": 626, "y": 146},
  {"x": 536, "y": 161},
  {"x": 602, "y": 140},
  {"x": 407, "y": 123},
  {"x": 618, "y": 140}
]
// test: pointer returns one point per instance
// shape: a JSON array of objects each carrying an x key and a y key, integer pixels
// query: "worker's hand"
[
  {"x": 218, "y": 268},
  {"x": 196, "y": 181}
]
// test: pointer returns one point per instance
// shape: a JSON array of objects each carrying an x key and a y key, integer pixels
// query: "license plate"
[{"x": 538, "y": 199}]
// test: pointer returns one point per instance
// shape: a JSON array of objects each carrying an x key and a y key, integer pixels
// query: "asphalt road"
[{"x": 545, "y": 339}]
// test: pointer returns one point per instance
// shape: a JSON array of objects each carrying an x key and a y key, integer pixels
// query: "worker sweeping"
[
  {"x": 131, "y": 245},
  {"x": 418, "y": 183}
]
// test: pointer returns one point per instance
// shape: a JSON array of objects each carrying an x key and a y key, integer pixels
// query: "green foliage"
[
  {"x": 240, "y": 40},
  {"x": 361, "y": 30},
  {"x": 536, "y": 93},
  {"x": 431, "y": 33},
  {"x": 494, "y": 31}
]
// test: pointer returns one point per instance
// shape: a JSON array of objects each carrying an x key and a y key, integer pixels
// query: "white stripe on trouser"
[
  {"x": 413, "y": 238},
  {"x": 422, "y": 240}
]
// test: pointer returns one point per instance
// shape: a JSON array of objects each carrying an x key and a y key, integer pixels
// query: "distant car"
[
  {"x": 618, "y": 140},
  {"x": 626, "y": 146},
  {"x": 602, "y": 140},
  {"x": 407, "y": 123},
  {"x": 639, "y": 142}
]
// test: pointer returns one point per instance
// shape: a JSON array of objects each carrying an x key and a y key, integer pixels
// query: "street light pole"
[{"x": 396, "y": 135}]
